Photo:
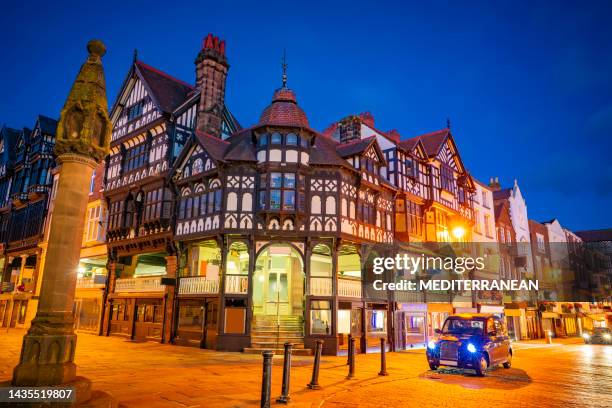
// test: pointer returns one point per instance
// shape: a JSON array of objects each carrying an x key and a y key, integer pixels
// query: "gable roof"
[
  {"x": 241, "y": 147},
  {"x": 325, "y": 153},
  {"x": 167, "y": 91},
  {"x": 502, "y": 194},
  {"x": 214, "y": 146},
  {"x": 47, "y": 125},
  {"x": 355, "y": 146}
]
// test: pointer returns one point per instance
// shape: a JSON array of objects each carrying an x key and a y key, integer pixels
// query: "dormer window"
[
  {"x": 263, "y": 140},
  {"x": 277, "y": 138},
  {"x": 292, "y": 139}
]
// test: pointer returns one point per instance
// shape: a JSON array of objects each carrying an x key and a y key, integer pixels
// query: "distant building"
[{"x": 25, "y": 182}]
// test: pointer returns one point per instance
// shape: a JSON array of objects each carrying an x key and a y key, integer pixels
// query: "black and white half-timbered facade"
[
  {"x": 152, "y": 117},
  {"x": 433, "y": 203},
  {"x": 26, "y": 163},
  {"x": 241, "y": 239}
]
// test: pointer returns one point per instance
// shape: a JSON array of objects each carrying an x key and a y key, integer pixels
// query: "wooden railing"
[
  {"x": 349, "y": 288},
  {"x": 152, "y": 284},
  {"x": 321, "y": 286},
  {"x": 198, "y": 285},
  {"x": 237, "y": 284}
]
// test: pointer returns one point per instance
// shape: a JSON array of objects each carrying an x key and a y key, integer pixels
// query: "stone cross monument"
[{"x": 83, "y": 138}]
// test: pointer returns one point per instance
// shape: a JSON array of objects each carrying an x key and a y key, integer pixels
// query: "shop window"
[
  {"x": 376, "y": 321},
  {"x": 205, "y": 260},
  {"x": 190, "y": 318},
  {"x": 349, "y": 262},
  {"x": 320, "y": 317},
  {"x": 237, "y": 268}
]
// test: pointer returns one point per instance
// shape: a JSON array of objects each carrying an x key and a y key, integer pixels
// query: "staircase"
[{"x": 272, "y": 332}]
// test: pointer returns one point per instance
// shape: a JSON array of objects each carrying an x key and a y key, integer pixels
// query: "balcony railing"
[
  {"x": 86, "y": 283},
  {"x": 198, "y": 285},
  {"x": 237, "y": 284},
  {"x": 320, "y": 286},
  {"x": 349, "y": 288},
  {"x": 152, "y": 284}
]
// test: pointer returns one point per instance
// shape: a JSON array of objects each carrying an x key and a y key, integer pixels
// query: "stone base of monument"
[{"x": 84, "y": 396}]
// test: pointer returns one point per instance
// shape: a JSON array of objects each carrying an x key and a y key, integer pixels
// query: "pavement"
[{"x": 564, "y": 374}]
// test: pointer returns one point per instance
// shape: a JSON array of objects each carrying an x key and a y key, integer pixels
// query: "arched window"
[
  {"x": 232, "y": 201},
  {"x": 330, "y": 205},
  {"x": 130, "y": 209},
  {"x": 315, "y": 205},
  {"x": 277, "y": 138},
  {"x": 263, "y": 140},
  {"x": 349, "y": 262},
  {"x": 292, "y": 139},
  {"x": 247, "y": 202}
]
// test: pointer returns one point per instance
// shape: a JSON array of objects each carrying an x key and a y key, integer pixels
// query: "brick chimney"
[
  {"x": 494, "y": 184},
  {"x": 349, "y": 129},
  {"x": 211, "y": 73}
]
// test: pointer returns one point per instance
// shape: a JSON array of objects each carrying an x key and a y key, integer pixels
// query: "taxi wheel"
[
  {"x": 433, "y": 366},
  {"x": 508, "y": 362},
  {"x": 481, "y": 367}
]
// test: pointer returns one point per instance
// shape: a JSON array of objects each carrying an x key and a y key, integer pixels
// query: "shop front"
[
  {"x": 437, "y": 314},
  {"x": 410, "y": 325}
]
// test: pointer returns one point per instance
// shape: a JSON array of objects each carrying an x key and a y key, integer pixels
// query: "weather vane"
[{"x": 284, "y": 65}]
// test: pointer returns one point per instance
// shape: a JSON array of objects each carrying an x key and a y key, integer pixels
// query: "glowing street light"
[{"x": 458, "y": 232}]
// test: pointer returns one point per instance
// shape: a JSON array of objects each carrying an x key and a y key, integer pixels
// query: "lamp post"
[{"x": 83, "y": 138}]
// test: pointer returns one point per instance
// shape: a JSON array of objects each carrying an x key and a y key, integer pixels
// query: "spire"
[
  {"x": 284, "y": 67},
  {"x": 448, "y": 123},
  {"x": 135, "y": 55},
  {"x": 84, "y": 127}
]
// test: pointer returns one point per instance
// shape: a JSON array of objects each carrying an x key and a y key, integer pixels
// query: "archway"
[{"x": 278, "y": 282}]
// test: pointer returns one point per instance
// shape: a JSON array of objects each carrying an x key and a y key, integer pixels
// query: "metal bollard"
[
  {"x": 266, "y": 378},
  {"x": 314, "y": 381},
  {"x": 348, "y": 354},
  {"x": 351, "y": 373},
  {"x": 284, "y": 398},
  {"x": 383, "y": 357}
]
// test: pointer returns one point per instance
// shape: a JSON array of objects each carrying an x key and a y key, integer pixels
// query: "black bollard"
[
  {"x": 266, "y": 379},
  {"x": 348, "y": 354},
  {"x": 314, "y": 382},
  {"x": 351, "y": 373},
  {"x": 284, "y": 398},
  {"x": 383, "y": 357}
]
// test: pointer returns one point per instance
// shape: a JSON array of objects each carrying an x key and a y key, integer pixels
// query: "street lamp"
[{"x": 458, "y": 232}]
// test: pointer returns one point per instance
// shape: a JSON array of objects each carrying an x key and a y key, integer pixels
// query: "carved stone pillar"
[{"x": 83, "y": 137}]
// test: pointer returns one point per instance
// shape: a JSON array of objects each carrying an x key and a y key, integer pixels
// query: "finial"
[
  {"x": 135, "y": 55},
  {"x": 448, "y": 123},
  {"x": 284, "y": 65},
  {"x": 96, "y": 48}
]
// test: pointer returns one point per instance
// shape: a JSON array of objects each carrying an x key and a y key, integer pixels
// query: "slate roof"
[
  {"x": 502, "y": 194},
  {"x": 432, "y": 142},
  {"x": 325, "y": 153},
  {"x": 355, "y": 146},
  {"x": 47, "y": 125},
  {"x": 241, "y": 147},
  {"x": 168, "y": 91},
  {"x": 595, "y": 235},
  {"x": 214, "y": 146}
]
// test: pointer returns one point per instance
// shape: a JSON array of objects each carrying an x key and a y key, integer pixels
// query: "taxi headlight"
[
  {"x": 471, "y": 348},
  {"x": 586, "y": 335},
  {"x": 607, "y": 336},
  {"x": 431, "y": 344}
]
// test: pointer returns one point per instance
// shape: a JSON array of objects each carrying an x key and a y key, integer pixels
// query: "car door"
[
  {"x": 503, "y": 341},
  {"x": 493, "y": 343}
]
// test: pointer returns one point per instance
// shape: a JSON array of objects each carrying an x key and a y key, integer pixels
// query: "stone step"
[
  {"x": 279, "y": 351},
  {"x": 276, "y": 333},
  {"x": 264, "y": 344}
]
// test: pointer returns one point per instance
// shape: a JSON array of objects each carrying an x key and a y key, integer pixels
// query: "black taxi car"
[{"x": 474, "y": 341}]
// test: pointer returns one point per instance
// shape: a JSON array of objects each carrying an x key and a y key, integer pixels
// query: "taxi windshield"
[{"x": 463, "y": 326}]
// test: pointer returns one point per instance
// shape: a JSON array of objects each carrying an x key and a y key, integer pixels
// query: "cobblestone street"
[{"x": 567, "y": 373}]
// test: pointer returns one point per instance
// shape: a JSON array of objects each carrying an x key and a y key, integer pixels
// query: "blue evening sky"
[{"x": 528, "y": 86}]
